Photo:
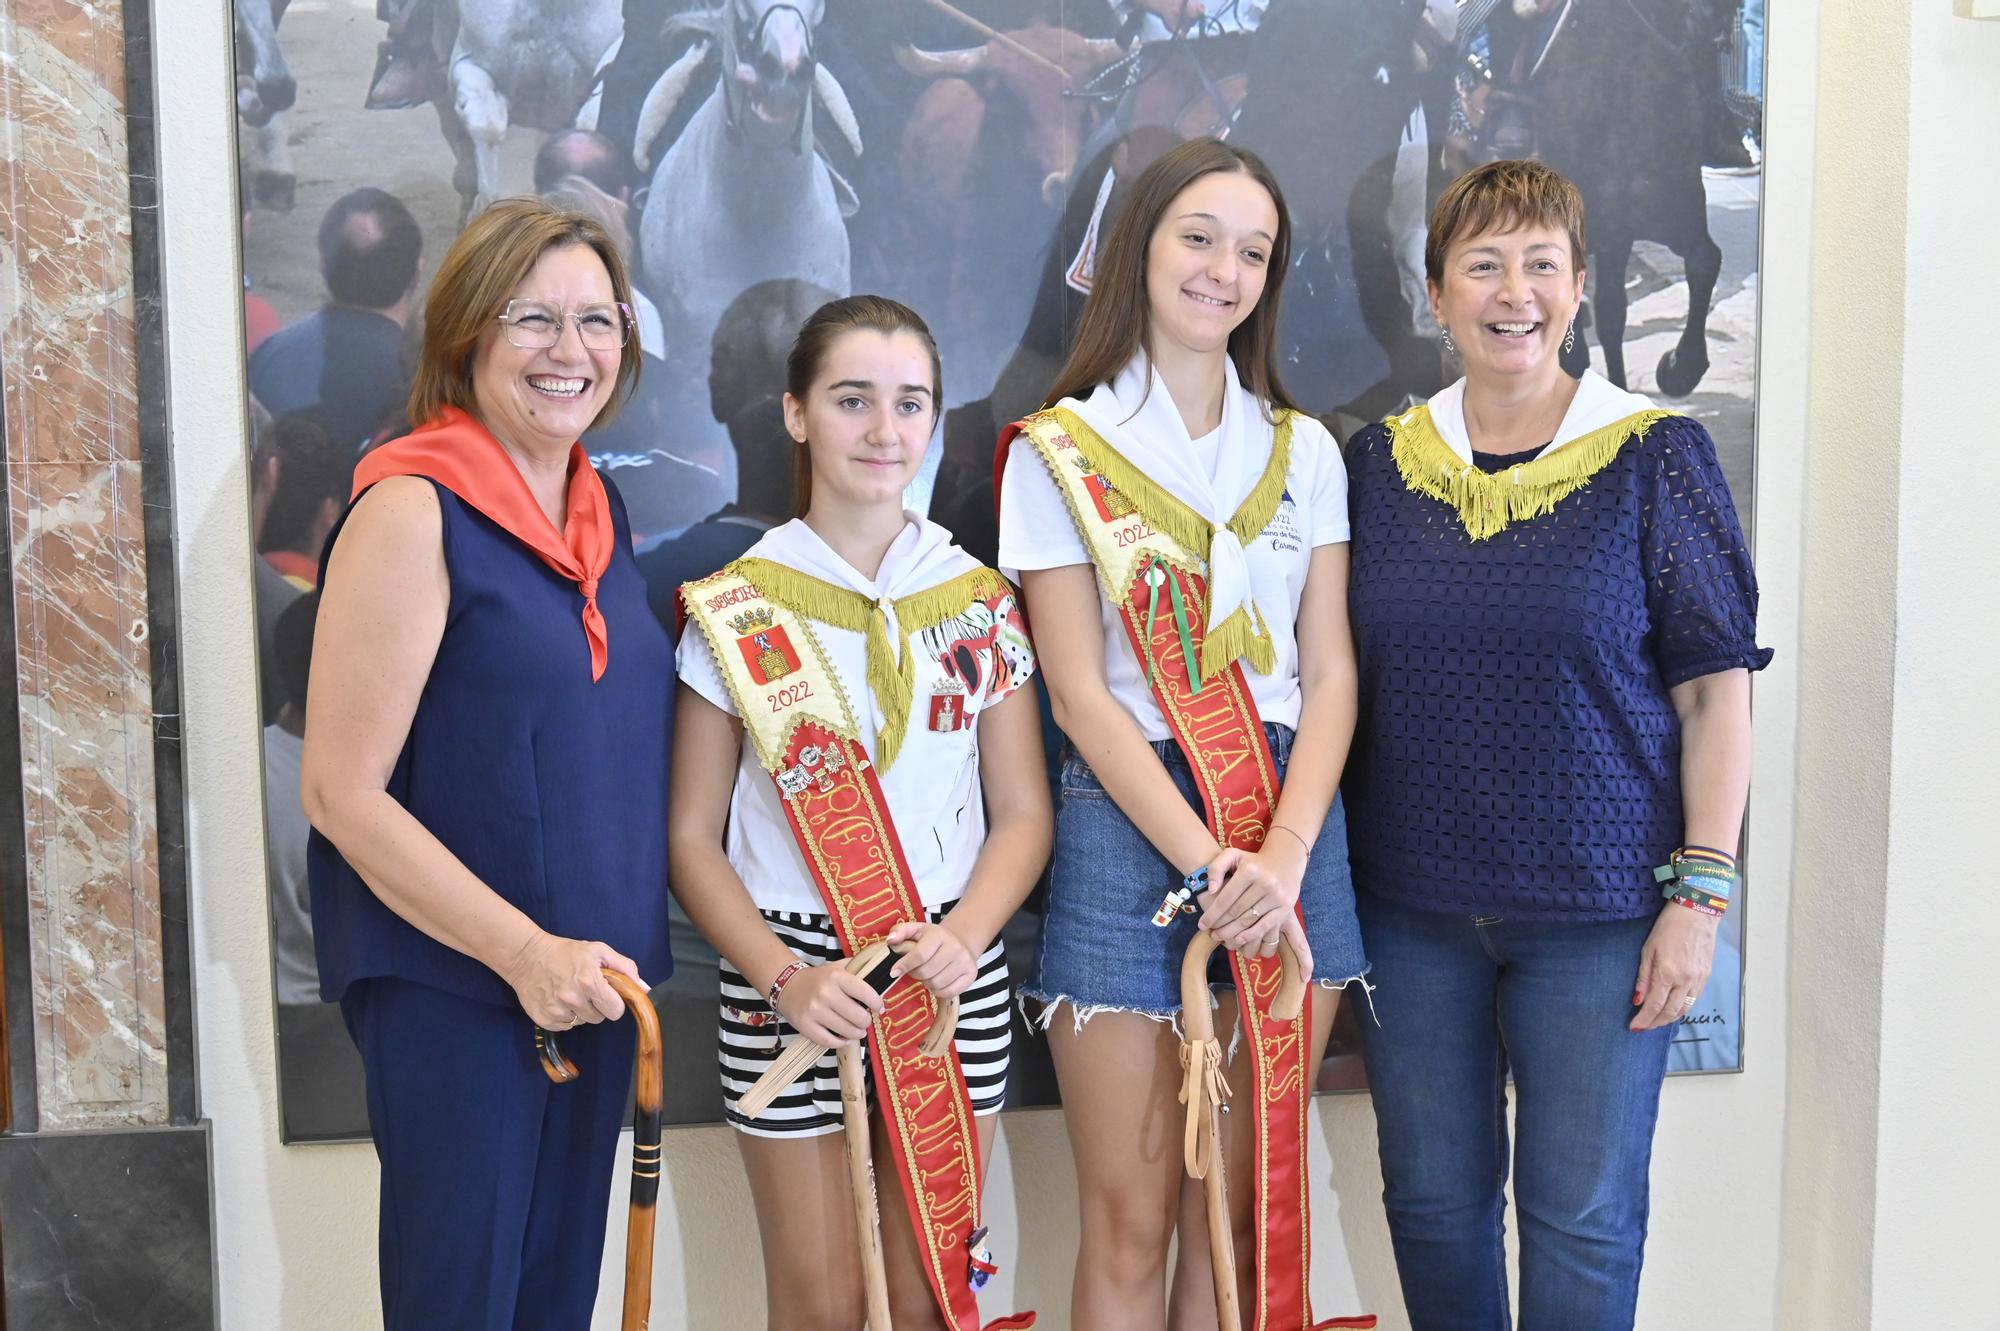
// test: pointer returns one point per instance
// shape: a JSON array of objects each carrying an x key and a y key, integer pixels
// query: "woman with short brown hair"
[
  {"x": 1555, "y": 620},
  {"x": 485, "y": 768}
]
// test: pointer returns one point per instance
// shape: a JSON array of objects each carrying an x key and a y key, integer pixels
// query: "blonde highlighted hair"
[
  {"x": 1504, "y": 196},
  {"x": 479, "y": 274}
]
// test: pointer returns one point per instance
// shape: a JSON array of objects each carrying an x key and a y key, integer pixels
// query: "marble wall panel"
[
  {"x": 76, "y": 523},
  {"x": 107, "y": 1231}
]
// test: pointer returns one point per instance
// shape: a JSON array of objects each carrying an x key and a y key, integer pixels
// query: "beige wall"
[
  {"x": 1825, "y": 1179},
  {"x": 1937, "y": 1167}
]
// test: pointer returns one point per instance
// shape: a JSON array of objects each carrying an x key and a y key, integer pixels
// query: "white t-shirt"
[
  {"x": 933, "y": 788},
  {"x": 1037, "y": 532}
]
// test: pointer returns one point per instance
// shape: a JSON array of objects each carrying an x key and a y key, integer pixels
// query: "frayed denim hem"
[
  {"x": 1367, "y": 991},
  {"x": 1040, "y": 1020}
]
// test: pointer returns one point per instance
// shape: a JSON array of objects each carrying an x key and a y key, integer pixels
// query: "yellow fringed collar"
[
  {"x": 1487, "y": 503},
  {"x": 1244, "y": 633},
  {"x": 892, "y": 678},
  {"x": 1166, "y": 510}
]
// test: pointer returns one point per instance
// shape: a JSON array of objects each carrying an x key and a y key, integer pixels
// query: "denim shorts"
[{"x": 1100, "y": 948}]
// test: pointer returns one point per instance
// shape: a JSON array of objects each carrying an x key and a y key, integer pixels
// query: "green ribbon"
[{"x": 1155, "y": 564}]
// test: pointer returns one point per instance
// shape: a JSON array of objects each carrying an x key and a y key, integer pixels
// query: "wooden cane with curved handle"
[
  {"x": 1204, "y": 1091},
  {"x": 645, "y": 1141},
  {"x": 790, "y": 1065}
]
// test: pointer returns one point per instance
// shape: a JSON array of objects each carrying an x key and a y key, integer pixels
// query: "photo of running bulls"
[{"x": 754, "y": 158}]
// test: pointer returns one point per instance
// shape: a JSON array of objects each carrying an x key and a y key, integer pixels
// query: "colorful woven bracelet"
[
  {"x": 1678, "y": 868},
  {"x": 1683, "y": 892},
  {"x": 1706, "y": 853},
  {"x": 1700, "y": 880}
]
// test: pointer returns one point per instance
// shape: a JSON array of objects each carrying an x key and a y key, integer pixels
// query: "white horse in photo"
[
  {"x": 514, "y": 62},
  {"x": 742, "y": 196}
]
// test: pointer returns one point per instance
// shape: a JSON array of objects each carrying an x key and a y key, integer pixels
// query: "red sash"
[{"x": 842, "y": 823}]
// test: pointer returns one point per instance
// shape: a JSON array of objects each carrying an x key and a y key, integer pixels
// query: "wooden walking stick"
[
  {"x": 1203, "y": 1091},
  {"x": 645, "y": 1141},
  {"x": 872, "y": 963},
  {"x": 861, "y": 1183}
]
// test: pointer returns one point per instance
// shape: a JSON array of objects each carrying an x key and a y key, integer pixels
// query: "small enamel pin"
[
  {"x": 948, "y": 711},
  {"x": 980, "y": 1258}
]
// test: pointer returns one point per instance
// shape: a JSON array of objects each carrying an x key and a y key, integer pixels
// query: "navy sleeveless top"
[
  {"x": 1517, "y": 751},
  {"x": 550, "y": 788}
]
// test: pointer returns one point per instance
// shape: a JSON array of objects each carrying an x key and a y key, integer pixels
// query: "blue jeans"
[
  {"x": 1464, "y": 1000},
  {"x": 1100, "y": 948}
]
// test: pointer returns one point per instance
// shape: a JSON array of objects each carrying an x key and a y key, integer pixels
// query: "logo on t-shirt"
[
  {"x": 1283, "y": 528},
  {"x": 766, "y": 650}
]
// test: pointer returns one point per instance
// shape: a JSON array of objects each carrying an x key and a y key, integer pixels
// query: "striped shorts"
[{"x": 810, "y": 1107}]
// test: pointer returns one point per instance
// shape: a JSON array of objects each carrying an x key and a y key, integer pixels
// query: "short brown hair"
[
  {"x": 475, "y": 281},
  {"x": 827, "y": 325},
  {"x": 1504, "y": 196},
  {"x": 1117, "y": 319}
]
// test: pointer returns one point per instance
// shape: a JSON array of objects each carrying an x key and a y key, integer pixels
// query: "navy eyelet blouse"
[{"x": 1517, "y": 753}]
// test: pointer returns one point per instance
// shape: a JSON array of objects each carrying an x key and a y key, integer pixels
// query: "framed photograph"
[{"x": 754, "y": 158}]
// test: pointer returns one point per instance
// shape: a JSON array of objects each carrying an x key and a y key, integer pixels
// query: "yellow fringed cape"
[
  {"x": 1486, "y": 503},
  {"x": 1243, "y": 634},
  {"x": 891, "y": 677}
]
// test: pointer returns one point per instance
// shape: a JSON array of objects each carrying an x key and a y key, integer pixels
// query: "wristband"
[
  {"x": 784, "y": 977},
  {"x": 1699, "y": 878},
  {"x": 773, "y": 1017},
  {"x": 1181, "y": 899},
  {"x": 1700, "y": 898}
]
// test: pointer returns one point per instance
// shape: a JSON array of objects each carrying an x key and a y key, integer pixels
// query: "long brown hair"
[
  {"x": 1117, "y": 320},
  {"x": 475, "y": 281},
  {"x": 826, "y": 326}
]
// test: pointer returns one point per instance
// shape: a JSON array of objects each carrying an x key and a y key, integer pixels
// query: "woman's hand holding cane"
[{"x": 560, "y": 982}]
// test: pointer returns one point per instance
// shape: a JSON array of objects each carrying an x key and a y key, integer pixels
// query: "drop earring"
[
  {"x": 1569, "y": 338},
  {"x": 1451, "y": 348}
]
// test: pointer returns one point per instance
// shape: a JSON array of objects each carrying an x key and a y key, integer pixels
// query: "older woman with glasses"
[{"x": 485, "y": 768}]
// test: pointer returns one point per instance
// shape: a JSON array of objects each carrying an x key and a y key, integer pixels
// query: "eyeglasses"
[{"x": 533, "y": 326}]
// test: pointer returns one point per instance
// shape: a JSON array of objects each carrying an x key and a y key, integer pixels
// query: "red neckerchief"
[{"x": 460, "y": 454}]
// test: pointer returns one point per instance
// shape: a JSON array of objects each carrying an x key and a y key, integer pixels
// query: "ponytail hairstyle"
[
  {"x": 1117, "y": 317},
  {"x": 826, "y": 326}
]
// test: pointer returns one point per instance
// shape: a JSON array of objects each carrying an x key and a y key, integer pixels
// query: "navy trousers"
[{"x": 495, "y": 1181}]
